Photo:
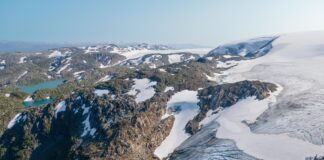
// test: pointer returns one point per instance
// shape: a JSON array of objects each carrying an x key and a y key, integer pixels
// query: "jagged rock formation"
[{"x": 89, "y": 127}]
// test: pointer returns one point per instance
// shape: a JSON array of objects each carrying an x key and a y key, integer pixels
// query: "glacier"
[
  {"x": 292, "y": 126},
  {"x": 295, "y": 63}
]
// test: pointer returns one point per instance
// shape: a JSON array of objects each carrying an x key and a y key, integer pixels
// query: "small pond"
[
  {"x": 36, "y": 103},
  {"x": 44, "y": 85}
]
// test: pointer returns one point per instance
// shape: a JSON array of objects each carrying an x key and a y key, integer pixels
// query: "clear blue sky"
[{"x": 206, "y": 22}]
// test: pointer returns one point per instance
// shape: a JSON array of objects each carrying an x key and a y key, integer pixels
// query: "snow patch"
[
  {"x": 174, "y": 58},
  {"x": 162, "y": 70},
  {"x": 183, "y": 106},
  {"x": 60, "y": 107},
  {"x": 142, "y": 89},
  {"x": 22, "y": 59},
  {"x": 106, "y": 78},
  {"x": 55, "y": 54},
  {"x": 28, "y": 99},
  {"x": 3, "y": 62},
  {"x": 87, "y": 127},
  {"x": 215, "y": 78},
  {"x": 16, "y": 120},
  {"x": 228, "y": 56},
  {"x": 21, "y": 75},
  {"x": 77, "y": 75},
  {"x": 67, "y": 64},
  {"x": 168, "y": 89}
]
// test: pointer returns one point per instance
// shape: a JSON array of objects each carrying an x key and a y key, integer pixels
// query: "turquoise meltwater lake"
[{"x": 44, "y": 85}]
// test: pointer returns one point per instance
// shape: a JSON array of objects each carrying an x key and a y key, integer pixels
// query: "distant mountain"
[{"x": 80, "y": 62}]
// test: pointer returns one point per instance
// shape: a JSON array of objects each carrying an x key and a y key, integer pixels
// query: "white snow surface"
[
  {"x": 67, "y": 64},
  {"x": 28, "y": 99},
  {"x": 16, "y": 119},
  {"x": 105, "y": 78},
  {"x": 55, "y": 54},
  {"x": 22, "y": 59},
  {"x": 77, "y": 75},
  {"x": 292, "y": 127},
  {"x": 87, "y": 127},
  {"x": 21, "y": 75},
  {"x": 60, "y": 107},
  {"x": 2, "y": 61},
  {"x": 63, "y": 68},
  {"x": 142, "y": 89},
  {"x": 162, "y": 70},
  {"x": 228, "y": 56},
  {"x": 186, "y": 102},
  {"x": 214, "y": 78},
  {"x": 174, "y": 58},
  {"x": 168, "y": 89}
]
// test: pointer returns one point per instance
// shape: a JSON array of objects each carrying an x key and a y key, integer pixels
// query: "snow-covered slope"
[
  {"x": 251, "y": 49},
  {"x": 292, "y": 127},
  {"x": 183, "y": 105}
]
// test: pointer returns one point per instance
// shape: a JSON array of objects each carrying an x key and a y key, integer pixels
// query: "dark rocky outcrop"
[
  {"x": 253, "y": 48},
  {"x": 225, "y": 95},
  {"x": 122, "y": 129},
  {"x": 315, "y": 158}
]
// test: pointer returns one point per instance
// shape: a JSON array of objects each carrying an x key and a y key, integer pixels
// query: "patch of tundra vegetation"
[{"x": 10, "y": 106}]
